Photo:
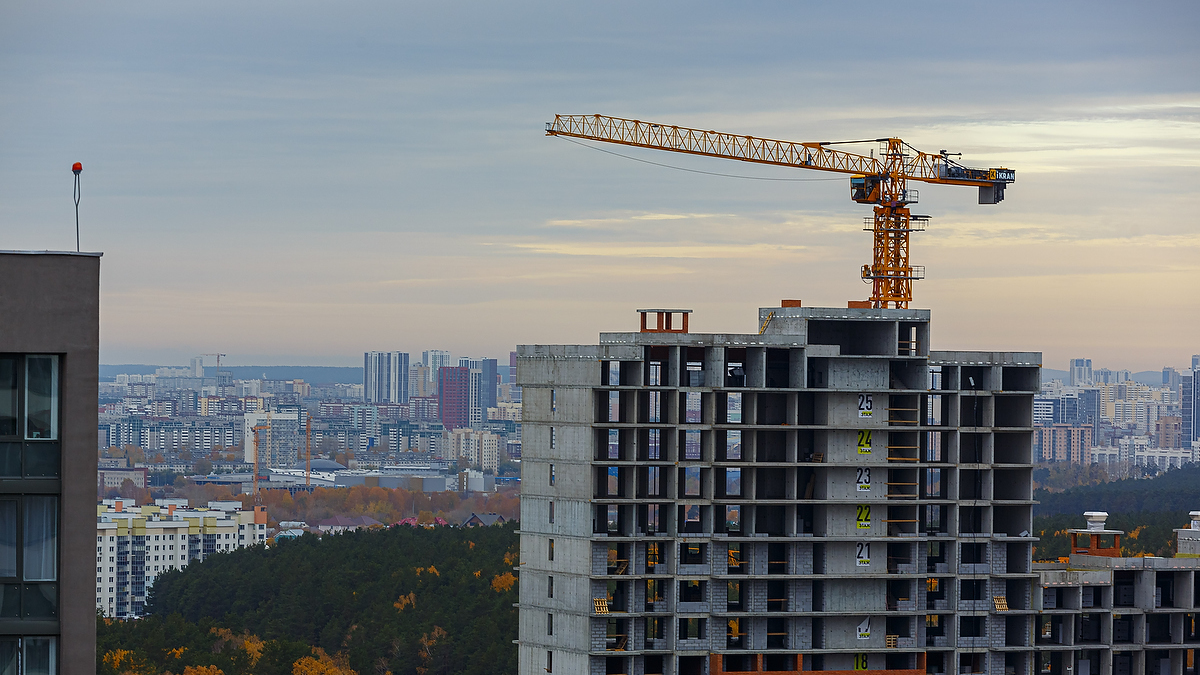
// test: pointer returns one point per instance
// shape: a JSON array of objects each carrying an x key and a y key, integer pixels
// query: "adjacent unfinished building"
[
  {"x": 824, "y": 495},
  {"x": 1101, "y": 614}
]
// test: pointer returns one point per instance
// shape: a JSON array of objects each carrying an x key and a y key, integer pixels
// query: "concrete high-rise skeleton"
[{"x": 826, "y": 495}]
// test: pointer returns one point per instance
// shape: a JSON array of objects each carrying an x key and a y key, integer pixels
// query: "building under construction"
[{"x": 823, "y": 494}]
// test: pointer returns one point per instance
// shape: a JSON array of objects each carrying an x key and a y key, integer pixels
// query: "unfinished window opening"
[
  {"x": 858, "y": 338},
  {"x": 778, "y": 369},
  {"x": 770, "y": 484},
  {"x": 612, "y": 373},
  {"x": 1014, "y": 410},
  {"x": 733, "y": 518},
  {"x": 693, "y": 554},
  {"x": 733, "y": 408},
  {"x": 735, "y": 367},
  {"x": 1018, "y": 378},
  {"x": 974, "y": 553},
  {"x": 653, "y": 518},
  {"x": 654, "y": 444},
  {"x": 692, "y": 412},
  {"x": 733, "y": 482},
  {"x": 654, "y": 407},
  {"x": 772, "y": 446},
  {"x": 733, "y": 446},
  {"x": 691, "y": 444},
  {"x": 691, "y": 629}
]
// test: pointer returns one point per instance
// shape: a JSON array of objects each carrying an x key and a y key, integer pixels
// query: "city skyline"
[{"x": 298, "y": 182}]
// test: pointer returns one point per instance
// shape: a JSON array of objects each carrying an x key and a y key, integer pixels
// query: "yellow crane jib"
[{"x": 880, "y": 179}]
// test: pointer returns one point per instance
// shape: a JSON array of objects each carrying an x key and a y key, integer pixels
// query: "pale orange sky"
[{"x": 301, "y": 186}]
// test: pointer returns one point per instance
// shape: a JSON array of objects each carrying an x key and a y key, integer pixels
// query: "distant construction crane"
[
  {"x": 882, "y": 181},
  {"x": 218, "y": 380}
]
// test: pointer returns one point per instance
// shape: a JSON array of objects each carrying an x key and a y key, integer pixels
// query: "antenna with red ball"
[{"x": 77, "y": 169}]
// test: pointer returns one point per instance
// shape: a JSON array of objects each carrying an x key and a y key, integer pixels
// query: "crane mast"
[{"x": 879, "y": 180}]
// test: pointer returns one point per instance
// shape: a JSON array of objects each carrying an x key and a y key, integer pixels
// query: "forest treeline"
[
  {"x": 1175, "y": 490},
  {"x": 1146, "y": 532},
  {"x": 400, "y": 600}
]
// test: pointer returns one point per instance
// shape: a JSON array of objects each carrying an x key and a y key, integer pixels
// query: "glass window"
[
  {"x": 41, "y": 538},
  {"x": 549, "y": 587},
  {"x": 614, "y": 373},
  {"x": 8, "y": 656},
  {"x": 654, "y": 444},
  {"x": 551, "y": 482},
  {"x": 691, "y": 445},
  {"x": 41, "y": 397},
  {"x": 10, "y": 460},
  {"x": 733, "y": 482},
  {"x": 733, "y": 445},
  {"x": 8, "y": 539},
  {"x": 39, "y": 656},
  {"x": 8, "y": 396},
  {"x": 614, "y": 406},
  {"x": 654, "y": 377},
  {"x": 614, "y": 444},
  {"x": 653, "y": 523},
  {"x": 613, "y": 517},
  {"x": 614, "y": 481}
]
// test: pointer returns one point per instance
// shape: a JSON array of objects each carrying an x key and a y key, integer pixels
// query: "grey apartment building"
[
  {"x": 49, "y": 349},
  {"x": 825, "y": 494}
]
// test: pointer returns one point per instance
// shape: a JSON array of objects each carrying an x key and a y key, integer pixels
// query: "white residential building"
[{"x": 136, "y": 544}]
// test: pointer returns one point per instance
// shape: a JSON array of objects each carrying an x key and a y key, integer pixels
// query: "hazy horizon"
[{"x": 309, "y": 180}]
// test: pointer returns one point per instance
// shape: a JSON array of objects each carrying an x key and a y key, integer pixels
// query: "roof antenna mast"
[{"x": 77, "y": 169}]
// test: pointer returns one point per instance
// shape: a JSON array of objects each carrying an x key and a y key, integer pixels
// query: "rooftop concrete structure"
[{"x": 825, "y": 494}]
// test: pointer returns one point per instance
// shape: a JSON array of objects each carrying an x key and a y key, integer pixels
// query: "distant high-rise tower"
[
  {"x": 385, "y": 377},
  {"x": 454, "y": 389},
  {"x": 435, "y": 359},
  {"x": 1081, "y": 372},
  {"x": 488, "y": 382},
  {"x": 1189, "y": 398}
]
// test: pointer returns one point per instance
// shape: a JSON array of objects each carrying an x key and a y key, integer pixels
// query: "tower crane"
[
  {"x": 879, "y": 180},
  {"x": 218, "y": 378}
]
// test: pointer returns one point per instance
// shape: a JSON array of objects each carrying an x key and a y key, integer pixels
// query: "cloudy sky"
[{"x": 297, "y": 182}]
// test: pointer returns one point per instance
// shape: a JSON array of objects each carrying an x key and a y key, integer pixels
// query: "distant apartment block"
[
  {"x": 1080, "y": 372},
  {"x": 1064, "y": 443},
  {"x": 280, "y": 437},
  {"x": 134, "y": 545},
  {"x": 454, "y": 396},
  {"x": 385, "y": 377}
]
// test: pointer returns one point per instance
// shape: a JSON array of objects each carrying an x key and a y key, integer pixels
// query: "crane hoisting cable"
[{"x": 879, "y": 180}]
